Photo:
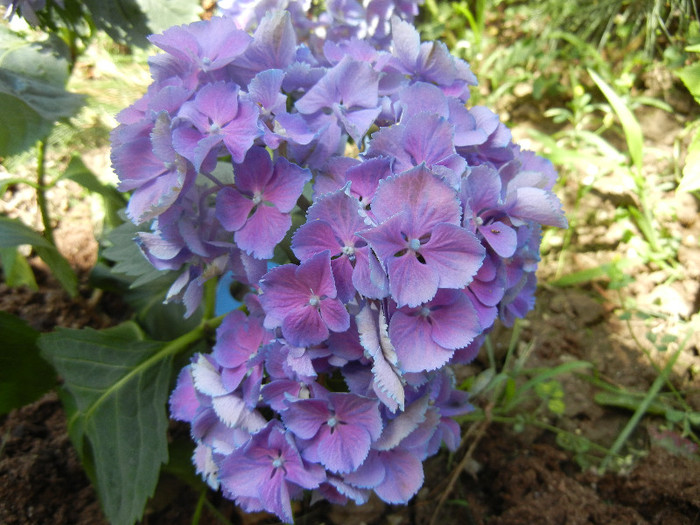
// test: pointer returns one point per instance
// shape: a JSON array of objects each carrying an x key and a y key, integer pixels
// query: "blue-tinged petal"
[
  {"x": 412, "y": 338},
  {"x": 428, "y": 198},
  {"x": 305, "y": 417},
  {"x": 368, "y": 475},
  {"x": 538, "y": 205},
  {"x": 403, "y": 478},
  {"x": 501, "y": 237},
  {"x": 412, "y": 282},
  {"x": 454, "y": 254},
  {"x": 263, "y": 231},
  {"x": 183, "y": 400},
  {"x": 232, "y": 208}
]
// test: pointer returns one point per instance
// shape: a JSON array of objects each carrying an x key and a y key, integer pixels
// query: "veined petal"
[
  {"x": 263, "y": 231},
  {"x": 232, "y": 208},
  {"x": 454, "y": 254}
]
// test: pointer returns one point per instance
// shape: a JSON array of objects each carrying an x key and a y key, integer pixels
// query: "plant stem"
[
  {"x": 41, "y": 189},
  {"x": 641, "y": 410}
]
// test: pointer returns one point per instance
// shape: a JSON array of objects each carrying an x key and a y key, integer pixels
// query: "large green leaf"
[
  {"x": 130, "y": 21},
  {"x": 32, "y": 92},
  {"x": 117, "y": 384},
  {"x": 16, "y": 269},
  {"x": 114, "y": 201},
  {"x": 24, "y": 375},
  {"x": 690, "y": 76},
  {"x": 16, "y": 233}
]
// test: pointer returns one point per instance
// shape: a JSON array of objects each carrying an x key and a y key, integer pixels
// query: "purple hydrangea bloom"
[
  {"x": 419, "y": 239},
  {"x": 337, "y": 431},
  {"x": 302, "y": 300},
  {"x": 216, "y": 115},
  {"x": 334, "y": 374},
  {"x": 258, "y": 207},
  {"x": 425, "y": 337},
  {"x": 268, "y": 471}
]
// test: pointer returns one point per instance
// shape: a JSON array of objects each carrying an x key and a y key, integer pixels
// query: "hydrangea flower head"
[{"x": 378, "y": 226}]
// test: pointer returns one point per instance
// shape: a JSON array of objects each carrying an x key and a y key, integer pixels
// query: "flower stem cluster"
[{"x": 334, "y": 376}]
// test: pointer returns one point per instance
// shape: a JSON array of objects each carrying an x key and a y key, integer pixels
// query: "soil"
[{"x": 615, "y": 322}]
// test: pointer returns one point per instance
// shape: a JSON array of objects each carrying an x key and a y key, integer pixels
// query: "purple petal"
[
  {"x": 424, "y": 194},
  {"x": 305, "y": 417},
  {"x": 304, "y": 327},
  {"x": 183, "y": 400},
  {"x": 412, "y": 282},
  {"x": 412, "y": 338},
  {"x": 263, "y": 231},
  {"x": 314, "y": 237},
  {"x": 240, "y": 133},
  {"x": 454, "y": 254},
  {"x": 368, "y": 475},
  {"x": 538, "y": 205},
  {"x": 501, "y": 237},
  {"x": 232, "y": 208},
  {"x": 403, "y": 478},
  {"x": 286, "y": 184},
  {"x": 455, "y": 322},
  {"x": 335, "y": 315}
]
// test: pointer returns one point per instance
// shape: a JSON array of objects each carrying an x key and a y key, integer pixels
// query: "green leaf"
[
  {"x": 16, "y": 269},
  {"x": 24, "y": 375},
  {"x": 630, "y": 125},
  {"x": 15, "y": 233},
  {"x": 119, "y": 388},
  {"x": 691, "y": 170},
  {"x": 78, "y": 172},
  {"x": 123, "y": 250},
  {"x": 32, "y": 92},
  {"x": 690, "y": 76},
  {"x": 130, "y": 21},
  {"x": 147, "y": 285},
  {"x": 114, "y": 201}
]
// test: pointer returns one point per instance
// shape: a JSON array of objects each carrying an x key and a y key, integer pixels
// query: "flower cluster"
[
  {"x": 420, "y": 226},
  {"x": 367, "y": 20}
]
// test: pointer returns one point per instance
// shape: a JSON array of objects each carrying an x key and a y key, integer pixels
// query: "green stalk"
[
  {"x": 641, "y": 410},
  {"x": 41, "y": 191}
]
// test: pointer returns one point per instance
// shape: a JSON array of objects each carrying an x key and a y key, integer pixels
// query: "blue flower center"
[
  {"x": 314, "y": 300},
  {"x": 332, "y": 421},
  {"x": 277, "y": 462},
  {"x": 257, "y": 198},
  {"x": 348, "y": 250},
  {"x": 414, "y": 244}
]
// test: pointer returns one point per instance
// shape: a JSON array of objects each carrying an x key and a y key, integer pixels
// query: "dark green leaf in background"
[
  {"x": 15, "y": 233},
  {"x": 16, "y": 269},
  {"x": 32, "y": 91},
  {"x": 130, "y": 21},
  {"x": 116, "y": 388},
  {"x": 114, "y": 201},
  {"x": 24, "y": 375}
]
